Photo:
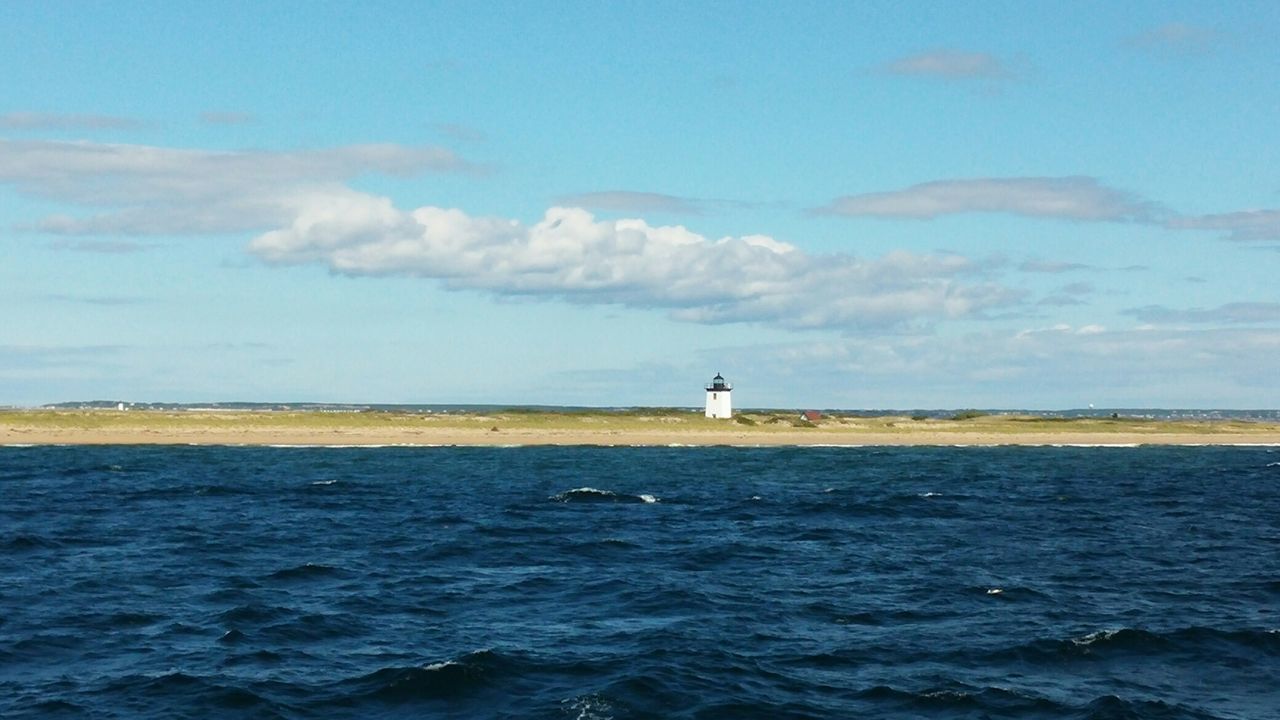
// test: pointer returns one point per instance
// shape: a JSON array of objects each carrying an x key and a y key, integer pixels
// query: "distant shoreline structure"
[{"x": 1257, "y": 414}]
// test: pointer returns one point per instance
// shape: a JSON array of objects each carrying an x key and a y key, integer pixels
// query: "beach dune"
[{"x": 658, "y": 428}]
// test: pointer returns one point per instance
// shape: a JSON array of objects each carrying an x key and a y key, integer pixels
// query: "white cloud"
[
  {"x": 571, "y": 255},
  {"x": 105, "y": 247},
  {"x": 1178, "y": 38},
  {"x": 1246, "y": 225},
  {"x": 1063, "y": 366},
  {"x": 1078, "y": 198},
  {"x": 460, "y": 132},
  {"x": 99, "y": 300},
  {"x": 63, "y": 121},
  {"x": 951, "y": 65},
  {"x": 632, "y": 202},
  {"x": 225, "y": 117},
  {"x": 1060, "y": 300},
  {"x": 1052, "y": 266},
  {"x": 1068, "y": 294},
  {"x": 1072, "y": 198},
  {"x": 155, "y": 190},
  {"x": 568, "y": 254},
  {"x": 1078, "y": 288},
  {"x": 1230, "y": 313}
]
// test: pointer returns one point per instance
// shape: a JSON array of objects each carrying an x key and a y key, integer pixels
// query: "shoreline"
[{"x": 36, "y": 428}]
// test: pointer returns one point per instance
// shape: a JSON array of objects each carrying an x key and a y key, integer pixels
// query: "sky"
[{"x": 865, "y": 205}]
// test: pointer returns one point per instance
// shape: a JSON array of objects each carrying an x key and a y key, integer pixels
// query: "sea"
[{"x": 640, "y": 582}]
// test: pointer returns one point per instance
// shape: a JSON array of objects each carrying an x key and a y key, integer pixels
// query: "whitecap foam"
[
  {"x": 1094, "y": 637},
  {"x": 324, "y": 482},
  {"x": 583, "y": 493},
  {"x": 1108, "y": 445},
  {"x": 589, "y": 707},
  {"x": 337, "y": 446},
  {"x": 590, "y": 494}
]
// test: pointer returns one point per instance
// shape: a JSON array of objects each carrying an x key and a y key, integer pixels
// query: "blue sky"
[{"x": 856, "y": 205}]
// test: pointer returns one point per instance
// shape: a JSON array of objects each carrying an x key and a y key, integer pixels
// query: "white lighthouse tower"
[{"x": 718, "y": 405}]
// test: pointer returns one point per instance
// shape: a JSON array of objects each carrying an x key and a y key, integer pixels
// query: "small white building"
[{"x": 718, "y": 405}]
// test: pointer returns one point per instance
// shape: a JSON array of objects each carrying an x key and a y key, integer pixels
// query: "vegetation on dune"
[{"x": 638, "y": 420}]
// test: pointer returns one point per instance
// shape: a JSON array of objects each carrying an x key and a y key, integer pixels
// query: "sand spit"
[{"x": 102, "y": 427}]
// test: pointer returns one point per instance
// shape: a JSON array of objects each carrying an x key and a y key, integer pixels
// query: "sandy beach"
[{"x": 272, "y": 428}]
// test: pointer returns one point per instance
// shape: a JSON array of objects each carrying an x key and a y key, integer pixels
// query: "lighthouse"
[{"x": 718, "y": 405}]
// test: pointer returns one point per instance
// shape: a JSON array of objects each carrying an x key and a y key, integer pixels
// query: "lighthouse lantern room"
[{"x": 718, "y": 405}]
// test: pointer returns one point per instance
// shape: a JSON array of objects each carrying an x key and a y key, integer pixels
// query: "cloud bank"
[
  {"x": 1076, "y": 198},
  {"x": 1072, "y": 198},
  {"x": 1246, "y": 225},
  {"x": 303, "y": 211},
  {"x": 302, "y": 201},
  {"x": 1230, "y": 313},
  {"x": 157, "y": 191},
  {"x": 571, "y": 255},
  {"x": 63, "y": 121},
  {"x": 1063, "y": 365}
]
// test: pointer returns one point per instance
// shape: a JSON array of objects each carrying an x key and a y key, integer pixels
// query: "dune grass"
[{"x": 602, "y": 421}]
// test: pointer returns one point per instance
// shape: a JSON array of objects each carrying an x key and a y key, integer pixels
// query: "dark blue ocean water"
[{"x": 145, "y": 582}]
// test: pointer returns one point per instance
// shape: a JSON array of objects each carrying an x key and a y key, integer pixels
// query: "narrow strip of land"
[{"x": 102, "y": 427}]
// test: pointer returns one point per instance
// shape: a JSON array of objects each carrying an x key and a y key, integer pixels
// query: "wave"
[
  {"x": 217, "y": 491},
  {"x": 848, "y": 505},
  {"x": 960, "y": 698},
  {"x": 592, "y": 495},
  {"x": 588, "y": 707},
  {"x": 27, "y": 543},
  {"x": 1111, "y": 706},
  {"x": 441, "y": 680},
  {"x": 1010, "y": 593},
  {"x": 1122, "y": 642},
  {"x": 314, "y": 628},
  {"x": 1004, "y": 702},
  {"x": 307, "y": 571},
  {"x": 119, "y": 620},
  {"x": 56, "y": 707},
  {"x": 205, "y": 696},
  {"x": 254, "y": 614},
  {"x": 46, "y": 643}
]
